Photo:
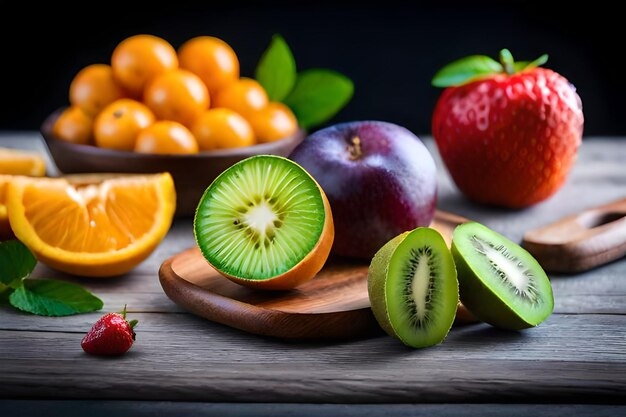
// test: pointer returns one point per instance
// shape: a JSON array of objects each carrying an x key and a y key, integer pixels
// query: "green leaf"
[
  {"x": 465, "y": 70},
  {"x": 318, "y": 95},
  {"x": 276, "y": 70},
  {"x": 16, "y": 263},
  {"x": 525, "y": 65},
  {"x": 53, "y": 298}
]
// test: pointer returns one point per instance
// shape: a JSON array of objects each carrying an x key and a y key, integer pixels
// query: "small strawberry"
[
  {"x": 110, "y": 335},
  {"x": 508, "y": 132}
]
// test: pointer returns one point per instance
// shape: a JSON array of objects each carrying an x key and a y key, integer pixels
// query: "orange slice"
[
  {"x": 17, "y": 162},
  {"x": 92, "y": 225},
  {"x": 5, "y": 227}
]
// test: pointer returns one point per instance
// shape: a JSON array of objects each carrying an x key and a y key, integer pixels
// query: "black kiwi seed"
[
  {"x": 531, "y": 290},
  {"x": 409, "y": 274}
]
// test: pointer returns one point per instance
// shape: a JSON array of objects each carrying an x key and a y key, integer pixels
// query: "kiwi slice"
[
  {"x": 265, "y": 223},
  {"x": 413, "y": 288},
  {"x": 500, "y": 283}
]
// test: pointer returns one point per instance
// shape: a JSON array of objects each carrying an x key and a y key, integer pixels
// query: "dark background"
[{"x": 390, "y": 51}]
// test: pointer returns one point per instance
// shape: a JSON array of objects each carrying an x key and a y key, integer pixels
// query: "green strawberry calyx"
[
  {"x": 131, "y": 323},
  {"x": 472, "y": 68}
]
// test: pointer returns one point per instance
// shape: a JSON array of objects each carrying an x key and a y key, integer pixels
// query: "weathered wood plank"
[
  {"x": 606, "y": 280},
  {"x": 577, "y": 358},
  {"x": 28, "y": 408},
  {"x": 592, "y": 338},
  {"x": 535, "y": 381}
]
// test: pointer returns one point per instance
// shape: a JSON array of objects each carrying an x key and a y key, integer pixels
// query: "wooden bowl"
[{"x": 191, "y": 173}]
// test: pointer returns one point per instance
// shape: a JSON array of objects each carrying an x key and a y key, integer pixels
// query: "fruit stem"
[
  {"x": 355, "y": 148},
  {"x": 507, "y": 61}
]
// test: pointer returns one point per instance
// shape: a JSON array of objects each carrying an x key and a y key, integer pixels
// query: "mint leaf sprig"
[
  {"x": 314, "y": 95},
  {"x": 43, "y": 297}
]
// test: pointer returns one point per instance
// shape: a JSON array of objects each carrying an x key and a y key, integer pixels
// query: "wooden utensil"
[
  {"x": 333, "y": 305},
  {"x": 581, "y": 241}
]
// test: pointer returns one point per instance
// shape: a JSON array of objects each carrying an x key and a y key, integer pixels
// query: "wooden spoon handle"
[{"x": 581, "y": 241}]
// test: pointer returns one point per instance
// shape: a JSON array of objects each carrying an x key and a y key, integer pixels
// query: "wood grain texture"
[
  {"x": 581, "y": 241},
  {"x": 333, "y": 305},
  {"x": 29, "y": 408},
  {"x": 578, "y": 355},
  {"x": 210, "y": 362},
  {"x": 569, "y": 338}
]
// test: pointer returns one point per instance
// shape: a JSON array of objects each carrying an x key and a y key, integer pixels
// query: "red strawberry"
[
  {"x": 111, "y": 335},
  {"x": 507, "y": 132}
]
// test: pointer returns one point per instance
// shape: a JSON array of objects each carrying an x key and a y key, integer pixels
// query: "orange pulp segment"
[{"x": 97, "y": 226}]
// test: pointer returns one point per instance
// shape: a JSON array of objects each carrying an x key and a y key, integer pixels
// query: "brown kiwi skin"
[
  {"x": 481, "y": 301},
  {"x": 376, "y": 287}
]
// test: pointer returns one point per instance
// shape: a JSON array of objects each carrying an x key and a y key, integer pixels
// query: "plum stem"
[{"x": 355, "y": 148}]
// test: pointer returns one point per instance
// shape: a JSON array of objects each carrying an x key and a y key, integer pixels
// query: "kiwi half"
[
  {"x": 500, "y": 283},
  {"x": 413, "y": 288},
  {"x": 265, "y": 223}
]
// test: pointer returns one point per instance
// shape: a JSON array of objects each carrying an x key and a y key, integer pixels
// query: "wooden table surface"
[{"x": 577, "y": 356}]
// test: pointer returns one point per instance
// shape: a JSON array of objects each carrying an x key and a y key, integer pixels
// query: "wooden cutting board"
[{"x": 333, "y": 305}]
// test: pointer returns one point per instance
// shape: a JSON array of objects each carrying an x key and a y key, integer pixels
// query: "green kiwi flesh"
[
  {"x": 259, "y": 218},
  {"x": 500, "y": 283},
  {"x": 413, "y": 288}
]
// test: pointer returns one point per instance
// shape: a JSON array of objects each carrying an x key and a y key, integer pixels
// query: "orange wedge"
[
  {"x": 5, "y": 227},
  {"x": 92, "y": 225},
  {"x": 17, "y": 162}
]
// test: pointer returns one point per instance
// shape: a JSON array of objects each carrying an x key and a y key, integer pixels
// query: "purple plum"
[{"x": 379, "y": 178}]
